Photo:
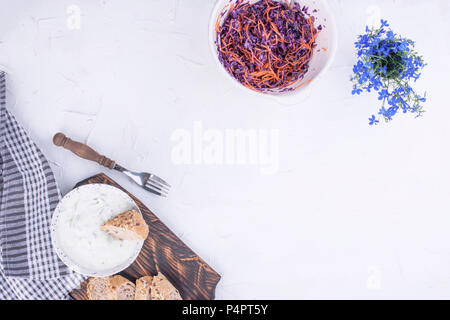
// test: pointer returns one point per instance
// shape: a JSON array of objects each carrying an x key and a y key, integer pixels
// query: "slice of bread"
[
  {"x": 162, "y": 289},
  {"x": 122, "y": 288},
  {"x": 143, "y": 288},
  {"x": 110, "y": 288},
  {"x": 98, "y": 289},
  {"x": 129, "y": 225}
]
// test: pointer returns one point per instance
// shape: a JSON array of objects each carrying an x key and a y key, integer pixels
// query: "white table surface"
[{"x": 353, "y": 211}]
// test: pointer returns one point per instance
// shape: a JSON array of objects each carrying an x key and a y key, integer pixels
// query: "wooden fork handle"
[{"x": 82, "y": 150}]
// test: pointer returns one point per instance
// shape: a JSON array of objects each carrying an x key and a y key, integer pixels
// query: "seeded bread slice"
[
  {"x": 162, "y": 289},
  {"x": 110, "y": 288},
  {"x": 98, "y": 289},
  {"x": 122, "y": 288},
  {"x": 129, "y": 225},
  {"x": 143, "y": 288}
]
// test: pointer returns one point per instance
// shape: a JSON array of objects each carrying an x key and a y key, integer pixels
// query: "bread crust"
[
  {"x": 162, "y": 289},
  {"x": 129, "y": 221},
  {"x": 112, "y": 285},
  {"x": 116, "y": 281},
  {"x": 92, "y": 292},
  {"x": 143, "y": 288}
]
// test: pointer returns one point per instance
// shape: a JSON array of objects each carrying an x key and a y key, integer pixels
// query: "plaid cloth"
[{"x": 29, "y": 267}]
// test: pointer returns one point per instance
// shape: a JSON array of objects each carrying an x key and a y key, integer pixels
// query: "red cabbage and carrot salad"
[{"x": 266, "y": 45}]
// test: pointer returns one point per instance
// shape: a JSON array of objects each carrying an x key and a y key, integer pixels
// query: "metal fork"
[{"x": 148, "y": 181}]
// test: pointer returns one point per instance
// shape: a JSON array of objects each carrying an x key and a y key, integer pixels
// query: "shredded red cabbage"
[{"x": 266, "y": 45}]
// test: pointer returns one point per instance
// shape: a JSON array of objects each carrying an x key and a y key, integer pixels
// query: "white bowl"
[
  {"x": 323, "y": 55},
  {"x": 94, "y": 190}
]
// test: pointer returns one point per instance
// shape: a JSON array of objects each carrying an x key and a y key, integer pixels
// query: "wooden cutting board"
[{"x": 163, "y": 251}]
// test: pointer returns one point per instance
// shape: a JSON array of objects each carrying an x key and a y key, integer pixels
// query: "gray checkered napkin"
[{"x": 29, "y": 267}]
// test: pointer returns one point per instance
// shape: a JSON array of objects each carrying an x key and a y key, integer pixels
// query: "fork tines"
[{"x": 157, "y": 186}]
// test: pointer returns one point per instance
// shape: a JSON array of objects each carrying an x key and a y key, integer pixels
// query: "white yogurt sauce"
[{"x": 78, "y": 232}]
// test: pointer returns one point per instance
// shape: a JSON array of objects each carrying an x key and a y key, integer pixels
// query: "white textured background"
[{"x": 352, "y": 205}]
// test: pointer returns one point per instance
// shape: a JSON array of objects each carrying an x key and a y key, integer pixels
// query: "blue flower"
[
  {"x": 387, "y": 63},
  {"x": 383, "y": 94},
  {"x": 424, "y": 98},
  {"x": 384, "y": 23},
  {"x": 390, "y": 35},
  {"x": 357, "y": 91},
  {"x": 373, "y": 121}
]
